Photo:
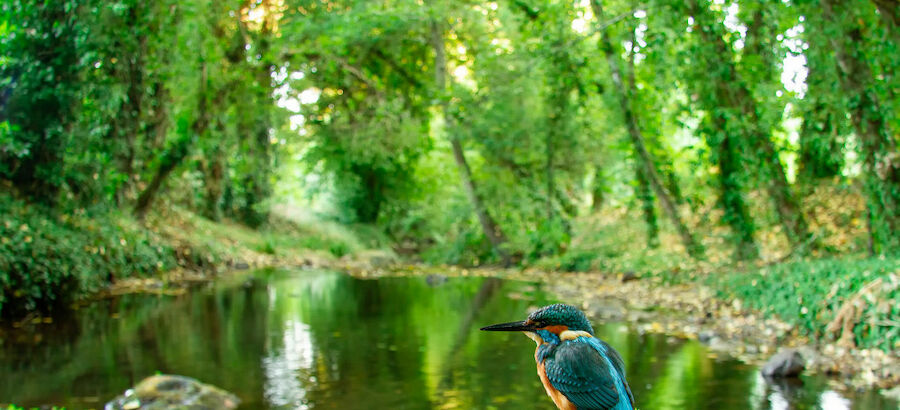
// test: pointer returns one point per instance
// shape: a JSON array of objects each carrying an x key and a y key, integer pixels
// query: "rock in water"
[
  {"x": 435, "y": 279},
  {"x": 629, "y": 276},
  {"x": 173, "y": 392},
  {"x": 785, "y": 363}
]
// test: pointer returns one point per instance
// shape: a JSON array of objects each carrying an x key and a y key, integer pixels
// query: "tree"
[
  {"x": 200, "y": 79},
  {"x": 490, "y": 228},
  {"x": 39, "y": 90},
  {"x": 825, "y": 126},
  {"x": 878, "y": 147},
  {"x": 647, "y": 173}
]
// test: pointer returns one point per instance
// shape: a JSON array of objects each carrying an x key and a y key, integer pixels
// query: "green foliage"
[
  {"x": 810, "y": 293},
  {"x": 267, "y": 246},
  {"x": 47, "y": 258},
  {"x": 575, "y": 260},
  {"x": 146, "y": 105},
  {"x": 38, "y": 90}
]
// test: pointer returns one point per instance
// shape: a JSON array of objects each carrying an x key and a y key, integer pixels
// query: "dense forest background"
[{"x": 573, "y": 135}]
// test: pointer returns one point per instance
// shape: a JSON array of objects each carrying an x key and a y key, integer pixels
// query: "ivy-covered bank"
[{"x": 853, "y": 301}]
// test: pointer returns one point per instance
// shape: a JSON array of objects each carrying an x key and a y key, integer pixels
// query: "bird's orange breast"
[{"x": 559, "y": 399}]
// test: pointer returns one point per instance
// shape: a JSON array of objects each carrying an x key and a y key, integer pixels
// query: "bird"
[{"x": 578, "y": 370}]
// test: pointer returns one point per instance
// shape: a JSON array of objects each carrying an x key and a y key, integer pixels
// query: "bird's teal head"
[{"x": 550, "y": 324}]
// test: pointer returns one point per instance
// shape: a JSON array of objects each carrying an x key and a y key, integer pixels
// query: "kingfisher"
[{"x": 578, "y": 370}]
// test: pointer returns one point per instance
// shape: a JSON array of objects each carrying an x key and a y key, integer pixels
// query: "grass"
[{"x": 282, "y": 237}]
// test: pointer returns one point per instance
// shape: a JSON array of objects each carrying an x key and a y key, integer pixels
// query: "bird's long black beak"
[{"x": 509, "y": 327}]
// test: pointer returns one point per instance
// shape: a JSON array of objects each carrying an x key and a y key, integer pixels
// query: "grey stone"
[
  {"x": 372, "y": 259},
  {"x": 717, "y": 344},
  {"x": 893, "y": 393},
  {"x": 785, "y": 363},
  {"x": 435, "y": 279},
  {"x": 706, "y": 336},
  {"x": 165, "y": 391}
]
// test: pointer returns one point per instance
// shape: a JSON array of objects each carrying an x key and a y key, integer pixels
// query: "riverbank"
[
  {"x": 839, "y": 312},
  {"x": 50, "y": 260},
  {"x": 693, "y": 310}
]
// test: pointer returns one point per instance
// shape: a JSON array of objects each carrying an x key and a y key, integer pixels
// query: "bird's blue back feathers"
[{"x": 589, "y": 372}]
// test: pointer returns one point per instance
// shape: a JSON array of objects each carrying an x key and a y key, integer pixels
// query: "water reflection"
[
  {"x": 286, "y": 364},
  {"x": 324, "y": 340},
  {"x": 807, "y": 393},
  {"x": 831, "y": 400}
]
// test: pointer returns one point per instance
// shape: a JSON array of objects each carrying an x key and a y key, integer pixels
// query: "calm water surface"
[{"x": 301, "y": 339}]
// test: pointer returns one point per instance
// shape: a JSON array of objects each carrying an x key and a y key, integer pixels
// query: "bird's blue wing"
[
  {"x": 616, "y": 360},
  {"x": 590, "y": 374}
]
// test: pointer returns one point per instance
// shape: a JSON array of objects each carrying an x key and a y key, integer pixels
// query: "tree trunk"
[
  {"x": 170, "y": 159},
  {"x": 669, "y": 180},
  {"x": 824, "y": 123},
  {"x": 567, "y": 207},
  {"x": 821, "y": 150},
  {"x": 548, "y": 166},
  {"x": 257, "y": 186},
  {"x": 213, "y": 169},
  {"x": 786, "y": 204},
  {"x": 824, "y": 120},
  {"x": 735, "y": 100},
  {"x": 759, "y": 32},
  {"x": 732, "y": 198},
  {"x": 177, "y": 152},
  {"x": 558, "y": 103},
  {"x": 644, "y": 194},
  {"x": 125, "y": 125},
  {"x": 890, "y": 10},
  {"x": 877, "y": 146},
  {"x": 715, "y": 97},
  {"x": 643, "y": 156},
  {"x": 491, "y": 230},
  {"x": 598, "y": 191}
]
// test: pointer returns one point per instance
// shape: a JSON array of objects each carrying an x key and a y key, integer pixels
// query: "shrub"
[{"x": 47, "y": 259}]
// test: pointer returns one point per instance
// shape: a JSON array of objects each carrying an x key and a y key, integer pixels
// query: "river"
[{"x": 325, "y": 340}]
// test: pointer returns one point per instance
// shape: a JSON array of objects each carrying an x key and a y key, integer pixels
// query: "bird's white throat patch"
[{"x": 534, "y": 336}]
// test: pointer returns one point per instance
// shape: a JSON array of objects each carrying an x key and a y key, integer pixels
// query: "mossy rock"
[{"x": 173, "y": 392}]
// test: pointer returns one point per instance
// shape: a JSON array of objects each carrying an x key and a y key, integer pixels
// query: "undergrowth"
[
  {"x": 806, "y": 290},
  {"x": 811, "y": 293},
  {"x": 48, "y": 258}
]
